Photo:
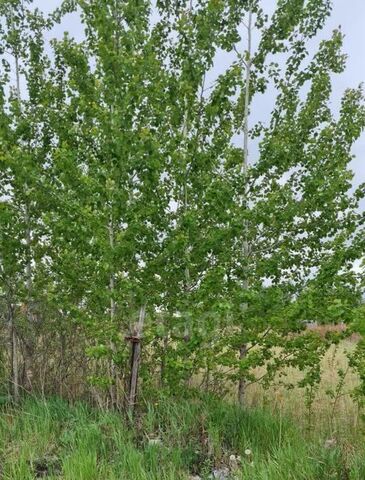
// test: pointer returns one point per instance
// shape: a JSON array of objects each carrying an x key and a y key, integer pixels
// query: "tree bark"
[
  {"x": 14, "y": 355},
  {"x": 135, "y": 340},
  {"x": 245, "y": 250},
  {"x": 27, "y": 340},
  {"x": 242, "y": 381},
  {"x": 113, "y": 388}
]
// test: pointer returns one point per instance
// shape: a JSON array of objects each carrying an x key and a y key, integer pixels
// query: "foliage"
[{"x": 124, "y": 189}]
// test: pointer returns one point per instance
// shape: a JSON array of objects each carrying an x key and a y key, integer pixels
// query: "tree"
[
  {"x": 151, "y": 206},
  {"x": 23, "y": 160}
]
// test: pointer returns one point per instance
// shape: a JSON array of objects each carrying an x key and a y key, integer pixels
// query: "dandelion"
[{"x": 330, "y": 443}]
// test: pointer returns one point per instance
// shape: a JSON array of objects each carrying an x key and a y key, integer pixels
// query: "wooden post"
[{"x": 135, "y": 340}]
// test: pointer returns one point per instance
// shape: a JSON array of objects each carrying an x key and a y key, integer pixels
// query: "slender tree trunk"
[
  {"x": 187, "y": 329},
  {"x": 186, "y": 207},
  {"x": 207, "y": 377},
  {"x": 62, "y": 365},
  {"x": 28, "y": 240},
  {"x": 165, "y": 343},
  {"x": 242, "y": 381},
  {"x": 17, "y": 76},
  {"x": 14, "y": 355},
  {"x": 113, "y": 372},
  {"x": 27, "y": 338},
  {"x": 245, "y": 249},
  {"x": 135, "y": 340}
]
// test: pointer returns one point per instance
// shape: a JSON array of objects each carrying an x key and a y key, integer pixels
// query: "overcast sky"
[{"x": 350, "y": 14}]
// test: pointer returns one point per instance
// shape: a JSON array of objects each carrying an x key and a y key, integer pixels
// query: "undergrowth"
[{"x": 170, "y": 439}]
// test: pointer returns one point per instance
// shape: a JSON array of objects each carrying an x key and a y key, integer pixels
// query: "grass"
[
  {"x": 275, "y": 438},
  {"x": 339, "y": 416},
  {"x": 172, "y": 439}
]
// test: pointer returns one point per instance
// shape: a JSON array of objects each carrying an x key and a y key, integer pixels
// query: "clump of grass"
[{"x": 170, "y": 439}]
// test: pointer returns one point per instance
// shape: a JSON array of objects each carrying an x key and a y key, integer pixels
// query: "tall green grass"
[{"x": 170, "y": 439}]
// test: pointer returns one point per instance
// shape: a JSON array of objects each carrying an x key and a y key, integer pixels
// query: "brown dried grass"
[{"x": 333, "y": 416}]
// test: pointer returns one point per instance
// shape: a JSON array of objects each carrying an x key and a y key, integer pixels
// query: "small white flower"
[{"x": 248, "y": 452}]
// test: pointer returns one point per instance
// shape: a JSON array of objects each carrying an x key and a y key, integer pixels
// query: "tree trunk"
[
  {"x": 163, "y": 361},
  {"x": 28, "y": 336},
  {"x": 242, "y": 381},
  {"x": 135, "y": 340},
  {"x": 245, "y": 249},
  {"x": 14, "y": 355},
  {"x": 113, "y": 373},
  {"x": 27, "y": 339}
]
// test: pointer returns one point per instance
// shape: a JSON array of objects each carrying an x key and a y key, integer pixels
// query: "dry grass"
[{"x": 338, "y": 416}]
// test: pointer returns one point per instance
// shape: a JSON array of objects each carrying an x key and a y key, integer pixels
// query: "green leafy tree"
[
  {"x": 145, "y": 204},
  {"x": 24, "y": 147}
]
